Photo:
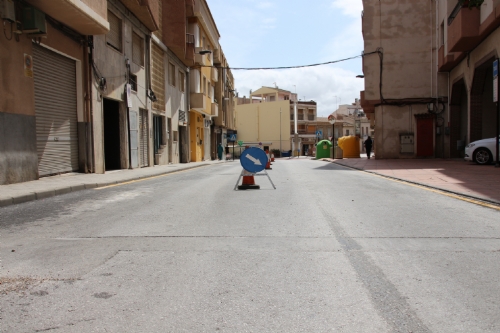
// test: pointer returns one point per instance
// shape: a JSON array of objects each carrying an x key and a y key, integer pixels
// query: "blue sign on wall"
[
  {"x": 495, "y": 68},
  {"x": 253, "y": 160},
  {"x": 231, "y": 137}
]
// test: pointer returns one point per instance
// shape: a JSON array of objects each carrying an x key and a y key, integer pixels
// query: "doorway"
[
  {"x": 425, "y": 136},
  {"x": 111, "y": 112}
]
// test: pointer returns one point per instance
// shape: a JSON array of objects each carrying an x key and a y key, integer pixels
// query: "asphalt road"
[{"x": 330, "y": 250}]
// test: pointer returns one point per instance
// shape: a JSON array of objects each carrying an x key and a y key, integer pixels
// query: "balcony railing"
[
  {"x": 215, "y": 109},
  {"x": 198, "y": 101},
  {"x": 190, "y": 47},
  {"x": 463, "y": 29},
  {"x": 454, "y": 12}
]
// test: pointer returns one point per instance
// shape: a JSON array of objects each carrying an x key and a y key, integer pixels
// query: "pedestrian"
[
  {"x": 368, "y": 146},
  {"x": 220, "y": 150}
]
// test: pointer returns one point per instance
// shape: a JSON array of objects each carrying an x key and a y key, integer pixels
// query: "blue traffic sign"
[
  {"x": 253, "y": 159},
  {"x": 232, "y": 137},
  {"x": 319, "y": 133},
  {"x": 495, "y": 68}
]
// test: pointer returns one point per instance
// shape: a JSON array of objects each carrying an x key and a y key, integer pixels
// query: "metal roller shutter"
[
  {"x": 143, "y": 128},
  {"x": 55, "y": 110}
]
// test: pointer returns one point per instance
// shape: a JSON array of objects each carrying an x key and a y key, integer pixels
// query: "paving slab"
[
  {"x": 71, "y": 182},
  {"x": 452, "y": 175}
]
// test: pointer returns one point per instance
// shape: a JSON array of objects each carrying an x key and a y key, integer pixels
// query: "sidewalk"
[
  {"x": 71, "y": 182},
  {"x": 453, "y": 175}
]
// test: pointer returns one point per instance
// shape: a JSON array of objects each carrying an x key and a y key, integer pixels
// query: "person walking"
[
  {"x": 368, "y": 146},
  {"x": 220, "y": 150}
]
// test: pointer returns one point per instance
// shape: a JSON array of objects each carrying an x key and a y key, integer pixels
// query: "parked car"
[{"x": 481, "y": 151}]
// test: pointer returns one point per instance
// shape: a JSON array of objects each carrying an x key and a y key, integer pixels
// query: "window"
[
  {"x": 181, "y": 81},
  {"x": 171, "y": 74},
  {"x": 204, "y": 87},
  {"x": 441, "y": 34},
  {"x": 346, "y": 132},
  {"x": 137, "y": 49},
  {"x": 175, "y": 136},
  {"x": 114, "y": 36},
  {"x": 133, "y": 82},
  {"x": 272, "y": 98}
]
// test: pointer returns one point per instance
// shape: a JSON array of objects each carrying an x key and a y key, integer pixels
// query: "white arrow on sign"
[{"x": 253, "y": 159}]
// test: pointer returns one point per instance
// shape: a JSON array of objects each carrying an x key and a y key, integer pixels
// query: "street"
[{"x": 330, "y": 250}]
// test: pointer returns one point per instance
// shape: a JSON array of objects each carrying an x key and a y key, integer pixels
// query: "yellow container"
[{"x": 350, "y": 146}]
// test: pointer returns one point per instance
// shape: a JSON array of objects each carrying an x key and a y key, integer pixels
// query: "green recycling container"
[{"x": 323, "y": 149}]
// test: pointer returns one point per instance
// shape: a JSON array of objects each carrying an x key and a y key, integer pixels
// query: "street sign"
[
  {"x": 232, "y": 137},
  {"x": 495, "y": 68},
  {"x": 319, "y": 133},
  {"x": 253, "y": 159},
  {"x": 240, "y": 143}
]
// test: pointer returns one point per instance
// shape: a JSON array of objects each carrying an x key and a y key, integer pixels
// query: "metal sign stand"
[{"x": 246, "y": 173}]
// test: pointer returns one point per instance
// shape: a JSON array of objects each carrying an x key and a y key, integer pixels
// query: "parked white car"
[{"x": 481, "y": 151}]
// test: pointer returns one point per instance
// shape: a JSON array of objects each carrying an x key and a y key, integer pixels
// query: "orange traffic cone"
[
  {"x": 248, "y": 183},
  {"x": 268, "y": 164}
]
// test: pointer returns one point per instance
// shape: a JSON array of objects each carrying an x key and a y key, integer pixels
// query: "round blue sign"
[{"x": 253, "y": 160}]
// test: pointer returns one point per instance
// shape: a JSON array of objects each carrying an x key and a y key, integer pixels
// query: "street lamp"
[{"x": 332, "y": 121}]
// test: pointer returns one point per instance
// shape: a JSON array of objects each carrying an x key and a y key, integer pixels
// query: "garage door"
[
  {"x": 55, "y": 109},
  {"x": 143, "y": 128}
]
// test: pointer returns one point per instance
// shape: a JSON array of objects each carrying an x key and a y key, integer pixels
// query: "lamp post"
[{"x": 332, "y": 121}]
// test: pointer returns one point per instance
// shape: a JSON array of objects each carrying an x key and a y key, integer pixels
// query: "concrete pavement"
[
  {"x": 455, "y": 176},
  {"x": 70, "y": 182},
  {"x": 452, "y": 175}
]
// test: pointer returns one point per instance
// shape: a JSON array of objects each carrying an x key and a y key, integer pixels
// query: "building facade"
[
  {"x": 45, "y": 112},
  {"x": 268, "y": 115},
  {"x": 468, "y": 45},
  {"x": 401, "y": 85},
  {"x": 428, "y": 70},
  {"x": 103, "y": 85},
  {"x": 121, "y": 107}
]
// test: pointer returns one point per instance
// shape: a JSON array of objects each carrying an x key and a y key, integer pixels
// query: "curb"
[
  {"x": 490, "y": 201},
  {"x": 43, "y": 194}
]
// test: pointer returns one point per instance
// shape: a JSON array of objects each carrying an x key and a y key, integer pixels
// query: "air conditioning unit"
[
  {"x": 7, "y": 10},
  {"x": 34, "y": 21}
]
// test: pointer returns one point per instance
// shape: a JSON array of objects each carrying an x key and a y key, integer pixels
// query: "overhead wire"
[{"x": 291, "y": 67}]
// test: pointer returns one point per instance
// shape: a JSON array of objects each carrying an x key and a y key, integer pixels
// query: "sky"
[{"x": 277, "y": 33}]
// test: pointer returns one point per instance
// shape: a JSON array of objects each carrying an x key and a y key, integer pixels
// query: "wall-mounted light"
[{"x": 204, "y": 52}]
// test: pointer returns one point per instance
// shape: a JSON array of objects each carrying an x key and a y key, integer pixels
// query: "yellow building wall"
[
  {"x": 260, "y": 122},
  {"x": 196, "y": 135}
]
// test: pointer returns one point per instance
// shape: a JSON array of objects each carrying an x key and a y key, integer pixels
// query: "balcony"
[
  {"x": 215, "y": 110},
  {"x": 198, "y": 101},
  {"x": 368, "y": 106},
  {"x": 87, "y": 19},
  {"x": 217, "y": 55},
  {"x": 190, "y": 49},
  {"x": 202, "y": 59},
  {"x": 147, "y": 11},
  {"x": 189, "y": 8},
  {"x": 215, "y": 75},
  {"x": 463, "y": 29},
  {"x": 445, "y": 63}
]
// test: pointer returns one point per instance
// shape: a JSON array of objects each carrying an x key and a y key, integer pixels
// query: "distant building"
[{"x": 268, "y": 116}]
